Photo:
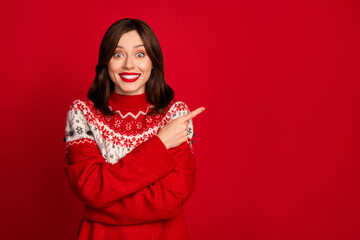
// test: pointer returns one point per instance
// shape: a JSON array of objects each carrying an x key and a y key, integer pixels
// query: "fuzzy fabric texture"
[{"x": 131, "y": 185}]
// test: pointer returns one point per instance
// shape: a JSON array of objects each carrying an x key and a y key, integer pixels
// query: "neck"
[{"x": 128, "y": 102}]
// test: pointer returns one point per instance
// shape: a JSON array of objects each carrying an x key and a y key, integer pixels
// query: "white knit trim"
[
  {"x": 81, "y": 141},
  {"x": 132, "y": 115}
]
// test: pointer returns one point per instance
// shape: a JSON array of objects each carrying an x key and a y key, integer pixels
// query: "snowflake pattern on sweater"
[{"x": 117, "y": 135}]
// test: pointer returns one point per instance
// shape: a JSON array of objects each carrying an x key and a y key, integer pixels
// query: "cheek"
[
  {"x": 113, "y": 66},
  {"x": 146, "y": 67},
  {"x": 112, "y": 74}
]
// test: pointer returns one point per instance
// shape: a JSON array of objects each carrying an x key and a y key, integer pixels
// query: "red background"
[{"x": 277, "y": 148}]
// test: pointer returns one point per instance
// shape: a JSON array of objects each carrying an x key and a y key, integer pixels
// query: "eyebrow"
[{"x": 140, "y": 45}]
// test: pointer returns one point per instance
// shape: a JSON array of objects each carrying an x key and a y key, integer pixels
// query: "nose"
[{"x": 129, "y": 63}]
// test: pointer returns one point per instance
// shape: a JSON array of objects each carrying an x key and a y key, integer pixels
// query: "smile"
[{"x": 129, "y": 77}]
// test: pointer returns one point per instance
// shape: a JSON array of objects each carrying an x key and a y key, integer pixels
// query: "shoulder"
[
  {"x": 77, "y": 121},
  {"x": 177, "y": 109},
  {"x": 80, "y": 112},
  {"x": 82, "y": 108},
  {"x": 81, "y": 104}
]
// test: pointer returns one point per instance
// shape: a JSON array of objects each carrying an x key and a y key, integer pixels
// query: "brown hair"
[{"x": 158, "y": 92}]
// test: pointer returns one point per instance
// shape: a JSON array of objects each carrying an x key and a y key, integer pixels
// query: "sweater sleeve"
[
  {"x": 99, "y": 184},
  {"x": 160, "y": 200}
]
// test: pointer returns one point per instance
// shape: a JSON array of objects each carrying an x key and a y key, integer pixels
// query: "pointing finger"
[{"x": 193, "y": 114}]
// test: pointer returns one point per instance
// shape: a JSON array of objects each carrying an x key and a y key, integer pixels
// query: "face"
[{"x": 130, "y": 67}]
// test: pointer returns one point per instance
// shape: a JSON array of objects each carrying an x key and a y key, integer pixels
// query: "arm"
[
  {"x": 161, "y": 200},
  {"x": 98, "y": 183}
]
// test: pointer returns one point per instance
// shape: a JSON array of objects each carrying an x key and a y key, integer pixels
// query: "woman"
[{"x": 128, "y": 145}]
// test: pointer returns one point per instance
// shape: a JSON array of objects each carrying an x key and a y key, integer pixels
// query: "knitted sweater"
[{"x": 132, "y": 186}]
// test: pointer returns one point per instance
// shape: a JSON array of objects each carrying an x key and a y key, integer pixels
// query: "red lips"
[{"x": 129, "y": 77}]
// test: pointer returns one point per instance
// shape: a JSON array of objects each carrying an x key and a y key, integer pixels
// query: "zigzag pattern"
[
  {"x": 137, "y": 115},
  {"x": 82, "y": 140}
]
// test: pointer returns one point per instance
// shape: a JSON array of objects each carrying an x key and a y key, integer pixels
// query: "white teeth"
[{"x": 129, "y": 76}]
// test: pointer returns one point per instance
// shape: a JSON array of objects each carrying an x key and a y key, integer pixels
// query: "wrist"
[{"x": 163, "y": 141}]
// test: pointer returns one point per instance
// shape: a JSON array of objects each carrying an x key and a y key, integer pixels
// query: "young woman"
[{"x": 129, "y": 144}]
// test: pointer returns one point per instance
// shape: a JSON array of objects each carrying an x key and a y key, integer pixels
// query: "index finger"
[{"x": 193, "y": 114}]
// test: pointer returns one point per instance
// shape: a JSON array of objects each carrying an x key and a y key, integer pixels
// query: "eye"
[
  {"x": 140, "y": 54},
  {"x": 117, "y": 55}
]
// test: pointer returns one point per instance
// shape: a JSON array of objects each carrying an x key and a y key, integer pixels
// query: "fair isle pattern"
[{"x": 117, "y": 135}]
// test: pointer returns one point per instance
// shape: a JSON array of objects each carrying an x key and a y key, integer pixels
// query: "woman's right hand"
[{"x": 175, "y": 132}]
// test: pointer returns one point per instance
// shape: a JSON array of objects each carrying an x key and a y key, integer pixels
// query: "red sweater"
[{"x": 131, "y": 185}]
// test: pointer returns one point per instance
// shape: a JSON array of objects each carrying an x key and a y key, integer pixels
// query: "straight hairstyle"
[{"x": 158, "y": 92}]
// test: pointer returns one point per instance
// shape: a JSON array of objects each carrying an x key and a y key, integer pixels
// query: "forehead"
[{"x": 130, "y": 39}]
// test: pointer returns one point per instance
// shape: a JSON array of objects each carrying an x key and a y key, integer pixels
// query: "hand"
[{"x": 175, "y": 132}]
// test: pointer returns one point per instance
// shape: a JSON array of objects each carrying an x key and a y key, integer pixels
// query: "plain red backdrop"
[{"x": 277, "y": 148}]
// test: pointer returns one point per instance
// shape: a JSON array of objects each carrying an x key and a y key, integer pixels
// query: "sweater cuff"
[{"x": 157, "y": 139}]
